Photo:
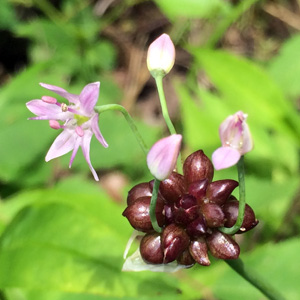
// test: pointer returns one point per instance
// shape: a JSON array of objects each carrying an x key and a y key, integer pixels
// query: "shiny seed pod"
[
  {"x": 231, "y": 211},
  {"x": 197, "y": 228},
  {"x": 222, "y": 245},
  {"x": 196, "y": 167},
  {"x": 198, "y": 190},
  {"x": 219, "y": 191},
  {"x": 213, "y": 215},
  {"x": 199, "y": 251},
  {"x": 138, "y": 214},
  {"x": 186, "y": 201},
  {"x": 174, "y": 241},
  {"x": 186, "y": 259},
  {"x": 151, "y": 248},
  {"x": 140, "y": 190},
  {"x": 183, "y": 216},
  {"x": 172, "y": 188}
]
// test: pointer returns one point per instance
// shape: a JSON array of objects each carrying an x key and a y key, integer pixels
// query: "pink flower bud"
[
  {"x": 236, "y": 141},
  {"x": 161, "y": 55},
  {"x": 54, "y": 124},
  {"x": 163, "y": 155}
]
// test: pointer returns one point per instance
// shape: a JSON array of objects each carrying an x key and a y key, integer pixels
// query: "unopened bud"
[
  {"x": 163, "y": 155},
  {"x": 151, "y": 249},
  {"x": 161, "y": 55}
]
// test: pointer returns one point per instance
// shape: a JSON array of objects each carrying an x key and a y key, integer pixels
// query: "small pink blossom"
[
  {"x": 236, "y": 141},
  {"x": 78, "y": 118},
  {"x": 161, "y": 54},
  {"x": 163, "y": 155}
]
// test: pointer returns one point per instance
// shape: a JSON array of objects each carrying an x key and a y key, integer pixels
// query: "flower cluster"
[
  {"x": 190, "y": 209},
  {"x": 80, "y": 121}
]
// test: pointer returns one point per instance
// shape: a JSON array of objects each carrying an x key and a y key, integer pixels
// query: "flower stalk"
[
  {"x": 153, "y": 206},
  {"x": 242, "y": 200},
  {"x": 129, "y": 119},
  {"x": 165, "y": 112}
]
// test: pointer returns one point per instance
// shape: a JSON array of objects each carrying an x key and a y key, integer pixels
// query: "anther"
[
  {"x": 49, "y": 100},
  {"x": 64, "y": 107}
]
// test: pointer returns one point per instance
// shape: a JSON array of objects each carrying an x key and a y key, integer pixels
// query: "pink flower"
[
  {"x": 236, "y": 141},
  {"x": 163, "y": 155},
  {"x": 161, "y": 55},
  {"x": 80, "y": 121}
]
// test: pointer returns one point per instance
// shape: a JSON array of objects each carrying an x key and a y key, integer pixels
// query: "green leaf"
[
  {"x": 192, "y": 8},
  {"x": 242, "y": 85},
  {"x": 72, "y": 241},
  {"x": 285, "y": 67}
]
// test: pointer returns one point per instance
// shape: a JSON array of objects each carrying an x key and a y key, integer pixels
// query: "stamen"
[
  {"x": 79, "y": 131},
  {"x": 64, "y": 107},
  {"x": 54, "y": 124},
  {"x": 49, "y": 99}
]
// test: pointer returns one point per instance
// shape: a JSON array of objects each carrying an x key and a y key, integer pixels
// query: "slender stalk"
[
  {"x": 129, "y": 120},
  {"x": 153, "y": 206},
  {"x": 159, "y": 84},
  {"x": 242, "y": 201},
  {"x": 255, "y": 279}
]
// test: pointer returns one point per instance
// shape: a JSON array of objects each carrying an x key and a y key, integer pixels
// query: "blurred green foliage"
[{"x": 62, "y": 237}]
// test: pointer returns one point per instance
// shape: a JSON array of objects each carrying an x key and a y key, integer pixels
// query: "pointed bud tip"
[
  {"x": 162, "y": 157},
  {"x": 161, "y": 55}
]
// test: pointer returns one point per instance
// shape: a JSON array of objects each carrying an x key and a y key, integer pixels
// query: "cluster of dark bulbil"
[{"x": 190, "y": 209}]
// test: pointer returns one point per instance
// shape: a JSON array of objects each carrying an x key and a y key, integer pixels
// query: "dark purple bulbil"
[{"x": 190, "y": 208}]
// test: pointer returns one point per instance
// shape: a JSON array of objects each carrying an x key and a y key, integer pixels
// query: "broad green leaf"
[
  {"x": 72, "y": 242},
  {"x": 285, "y": 67},
  {"x": 275, "y": 263},
  {"x": 192, "y": 8},
  {"x": 243, "y": 85}
]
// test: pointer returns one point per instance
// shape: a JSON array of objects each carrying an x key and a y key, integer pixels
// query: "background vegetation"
[{"x": 62, "y": 234}]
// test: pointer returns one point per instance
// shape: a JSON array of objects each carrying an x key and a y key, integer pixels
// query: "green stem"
[
  {"x": 153, "y": 206},
  {"x": 242, "y": 201},
  {"x": 163, "y": 103},
  {"x": 255, "y": 279},
  {"x": 128, "y": 118}
]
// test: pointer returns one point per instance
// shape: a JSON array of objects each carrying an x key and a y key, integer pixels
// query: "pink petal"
[
  {"x": 46, "y": 111},
  {"x": 76, "y": 146},
  {"x": 63, "y": 144},
  {"x": 59, "y": 91},
  {"x": 225, "y": 157},
  {"x": 247, "y": 140},
  {"x": 162, "y": 157},
  {"x": 161, "y": 54},
  {"x": 85, "y": 146},
  {"x": 96, "y": 130},
  {"x": 89, "y": 97}
]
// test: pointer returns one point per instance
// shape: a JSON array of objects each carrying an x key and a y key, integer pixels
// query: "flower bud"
[
  {"x": 174, "y": 241},
  {"x": 140, "y": 190},
  {"x": 163, "y": 155},
  {"x": 231, "y": 211},
  {"x": 172, "y": 188},
  {"x": 213, "y": 215},
  {"x": 236, "y": 141},
  {"x": 222, "y": 245},
  {"x": 196, "y": 167},
  {"x": 151, "y": 248},
  {"x": 161, "y": 55},
  {"x": 219, "y": 191},
  {"x": 199, "y": 251},
  {"x": 138, "y": 214}
]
